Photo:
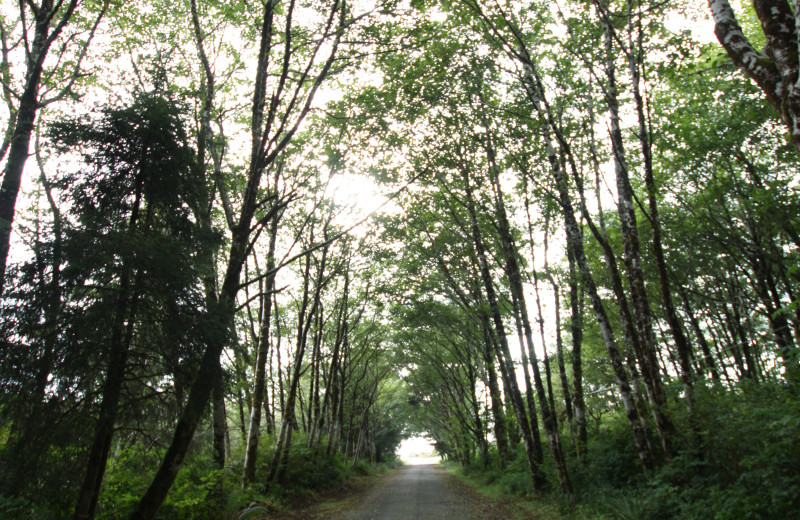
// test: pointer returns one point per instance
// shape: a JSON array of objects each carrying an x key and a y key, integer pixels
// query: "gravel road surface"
[{"x": 419, "y": 492}]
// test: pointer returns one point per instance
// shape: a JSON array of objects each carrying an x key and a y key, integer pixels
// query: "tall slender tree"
[{"x": 41, "y": 24}]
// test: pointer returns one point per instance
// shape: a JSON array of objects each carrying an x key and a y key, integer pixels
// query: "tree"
[
  {"x": 775, "y": 69},
  {"x": 123, "y": 260},
  {"x": 140, "y": 164},
  {"x": 41, "y": 26}
]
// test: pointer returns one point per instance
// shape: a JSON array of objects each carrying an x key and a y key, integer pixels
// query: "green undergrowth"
[
  {"x": 202, "y": 491},
  {"x": 743, "y": 462},
  {"x": 309, "y": 472},
  {"x": 513, "y": 487}
]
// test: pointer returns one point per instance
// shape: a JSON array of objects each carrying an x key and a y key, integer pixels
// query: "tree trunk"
[
  {"x": 500, "y": 433},
  {"x": 562, "y": 369},
  {"x": 534, "y": 89},
  {"x": 254, "y": 427},
  {"x": 219, "y": 318},
  {"x": 219, "y": 421},
  {"x": 776, "y": 316},
  {"x": 682, "y": 345},
  {"x": 743, "y": 344},
  {"x": 775, "y": 70},
  {"x": 510, "y": 253},
  {"x": 574, "y": 237},
  {"x": 509, "y": 377},
  {"x": 305, "y": 320},
  {"x": 633, "y": 263},
  {"x": 314, "y": 408},
  {"x": 341, "y": 333},
  {"x": 576, "y": 328},
  {"x": 265, "y": 148},
  {"x": 287, "y": 421},
  {"x": 119, "y": 347},
  {"x": 26, "y": 114},
  {"x": 104, "y": 428},
  {"x": 708, "y": 358},
  {"x": 529, "y": 392},
  {"x": 480, "y": 433}
]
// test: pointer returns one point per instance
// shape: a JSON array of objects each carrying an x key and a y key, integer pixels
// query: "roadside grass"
[{"x": 513, "y": 491}]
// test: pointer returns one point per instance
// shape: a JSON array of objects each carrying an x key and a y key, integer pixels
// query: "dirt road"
[{"x": 421, "y": 492}]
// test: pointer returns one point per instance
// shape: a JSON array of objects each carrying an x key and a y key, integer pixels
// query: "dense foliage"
[{"x": 581, "y": 283}]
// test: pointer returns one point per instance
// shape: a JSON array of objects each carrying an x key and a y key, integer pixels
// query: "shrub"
[
  {"x": 197, "y": 493},
  {"x": 312, "y": 469}
]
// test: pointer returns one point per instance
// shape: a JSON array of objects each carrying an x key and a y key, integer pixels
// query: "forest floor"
[{"x": 407, "y": 493}]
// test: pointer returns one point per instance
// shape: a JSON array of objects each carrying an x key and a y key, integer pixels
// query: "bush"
[
  {"x": 15, "y": 507},
  {"x": 197, "y": 493},
  {"x": 310, "y": 469},
  {"x": 746, "y": 465}
]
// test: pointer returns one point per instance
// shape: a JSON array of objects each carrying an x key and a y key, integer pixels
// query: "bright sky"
[
  {"x": 417, "y": 450},
  {"x": 358, "y": 193}
]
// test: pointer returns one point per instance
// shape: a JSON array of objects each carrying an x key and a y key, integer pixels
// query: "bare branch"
[{"x": 76, "y": 71}]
